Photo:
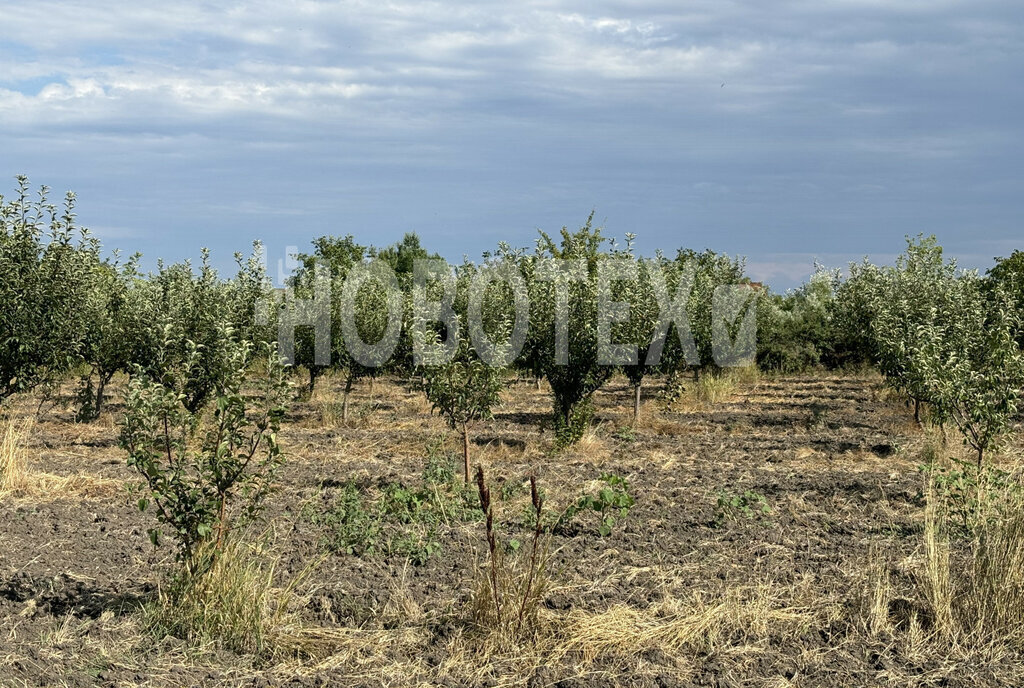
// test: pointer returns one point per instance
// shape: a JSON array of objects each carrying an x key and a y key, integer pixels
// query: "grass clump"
[
  {"x": 967, "y": 583},
  {"x": 227, "y": 600},
  {"x": 708, "y": 387}
]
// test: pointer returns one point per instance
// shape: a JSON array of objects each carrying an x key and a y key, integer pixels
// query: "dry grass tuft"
[
  {"x": 967, "y": 591},
  {"x": 714, "y": 388},
  {"x": 232, "y": 603},
  {"x": 401, "y": 608},
  {"x": 14, "y": 474}
]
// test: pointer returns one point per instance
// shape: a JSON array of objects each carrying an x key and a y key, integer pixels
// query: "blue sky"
[{"x": 787, "y": 132}]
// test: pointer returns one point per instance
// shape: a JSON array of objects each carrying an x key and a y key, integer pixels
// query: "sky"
[{"x": 787, "y": 132}]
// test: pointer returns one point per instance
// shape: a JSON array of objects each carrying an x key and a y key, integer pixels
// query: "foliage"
[
  {"x": 120, "y": 335},
  {"x": 854, "y": 308},
  {"x": 401, "y": 520},
  {"x": 401, "y": 258},
  {"x": 1007, "y": 275},
  {"x": 710, "y": 271},
  {"x": 942, "y": 337},
  {"x": 337, "y": 255},
  {"x": 574, "y": 381},
  {"x": 795, "y": 329},
  {"x": 47, "y": 264},
  {"x": 204, "y": 484},
  {"x": 972, "y": 367},
  {"x": 204, "y": 320},
  {"x": 611, "y": 503},
  {"x": 906, "y": 303},
  {"x": 731, "y": 506}
]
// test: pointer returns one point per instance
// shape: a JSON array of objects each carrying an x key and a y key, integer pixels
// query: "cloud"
[{"x": 755, "y": 128}]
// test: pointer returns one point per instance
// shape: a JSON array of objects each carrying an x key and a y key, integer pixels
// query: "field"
[{"x": 702, "y": 583}]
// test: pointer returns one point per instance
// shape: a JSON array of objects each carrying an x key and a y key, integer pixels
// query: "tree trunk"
[
  {"x": 636, "y": 401},
  {"x": 981, "y": 456},
  {"x": 344, "y": 399},
  {"x": 465, "y": 452},
  {"x": 100, "y": 386},
  {"x": 917, "y": 410}
]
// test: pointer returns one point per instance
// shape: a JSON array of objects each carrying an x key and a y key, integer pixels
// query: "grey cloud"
[{"x": 753, "y": 128}]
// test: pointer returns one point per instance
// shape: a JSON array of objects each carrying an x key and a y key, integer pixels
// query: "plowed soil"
[{"x": 773, "y": 598}]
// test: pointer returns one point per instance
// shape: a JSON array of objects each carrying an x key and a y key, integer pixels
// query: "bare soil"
[{"x": 834, "y": 459}]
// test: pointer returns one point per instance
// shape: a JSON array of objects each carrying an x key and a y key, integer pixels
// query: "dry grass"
[
  {"x": 741, "y": 619},
  {"x": 17, "y": 480},
  {"x": 14, "y": 473},
  {"x": 232, "y": 604},
  {"x": 712, "y": 388},
  {"x": 741, "y": 623},
  {"x": 966, "y": 595}
]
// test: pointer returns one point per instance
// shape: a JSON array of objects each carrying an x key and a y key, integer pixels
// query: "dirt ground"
[{"x": 683, "y": 592}]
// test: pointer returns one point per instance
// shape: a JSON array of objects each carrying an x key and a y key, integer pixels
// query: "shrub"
[{"x": 205, "y": 484}]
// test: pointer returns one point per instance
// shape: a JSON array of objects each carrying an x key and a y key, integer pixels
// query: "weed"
[
  {"x": 731, "y": 506},
  {"x": 612, "y": 502},
  {"x": 350, "y": 528},
  {"x": 626, "y": 434},
  {"x": 511, "y": 586},
  {"x": 416, "y": 547},
  {"x": 510, "y": 489},
  {"x": 968, "y": 494},
  {"x": 401, "y": 520},
  {"x": 817, "y": 416}
]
